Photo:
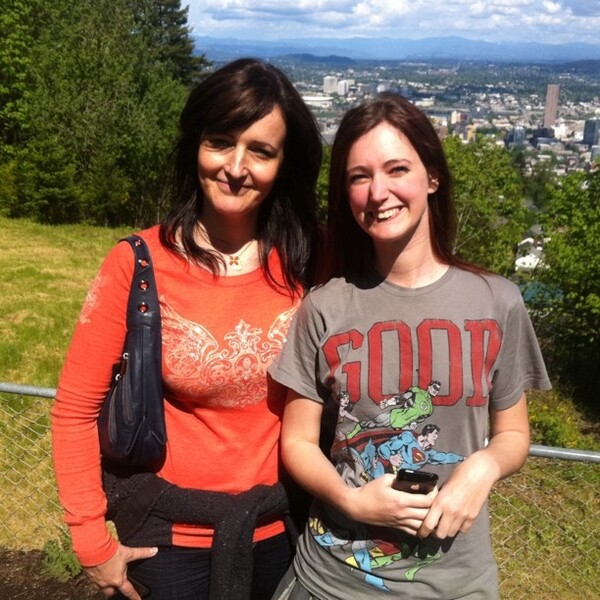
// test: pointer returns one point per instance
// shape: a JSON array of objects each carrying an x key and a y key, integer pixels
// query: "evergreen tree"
[
  {"x": 15, "y": 43},
  {"x": 164, "y": 22},
  {"x": 102, "y": 112},
  {"x": 46, "y": 183}
]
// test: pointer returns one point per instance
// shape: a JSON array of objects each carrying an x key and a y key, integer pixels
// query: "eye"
[
  {"x": 216, "y": 143},
  {"x": 357, "y": 178},
  {"x": 399, "y": 169},
  {"x": 262, "y": 152}
]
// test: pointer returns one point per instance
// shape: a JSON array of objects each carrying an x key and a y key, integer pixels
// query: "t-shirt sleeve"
[
  {"x": 520, "y": 366},
  {"x": 297, "y": 365}
]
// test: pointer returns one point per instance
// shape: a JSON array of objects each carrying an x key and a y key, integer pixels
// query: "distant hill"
[
  {"x": 398, "y": 49},
  {"x": 330, "y": 60}
]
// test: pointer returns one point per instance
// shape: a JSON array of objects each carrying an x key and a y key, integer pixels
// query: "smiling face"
[
  {"x": 237, "y": 170},
  {"x": 387, "y": 187}
]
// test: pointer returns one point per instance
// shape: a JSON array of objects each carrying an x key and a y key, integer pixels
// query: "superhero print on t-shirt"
[{"x": 393, "y": 439}]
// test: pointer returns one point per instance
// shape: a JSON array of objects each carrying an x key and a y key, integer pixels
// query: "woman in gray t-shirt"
[{"x": 407, "y": 359}]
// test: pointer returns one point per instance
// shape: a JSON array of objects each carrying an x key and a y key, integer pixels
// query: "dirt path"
[{"x": 22, "y": 578}]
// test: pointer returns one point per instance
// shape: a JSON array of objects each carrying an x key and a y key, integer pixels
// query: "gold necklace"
[{"x": 234, "y": 259}]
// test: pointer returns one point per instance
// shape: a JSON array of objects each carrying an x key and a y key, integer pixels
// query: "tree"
[
  {"x": 102, "y": 112},
  {"x": 570, "y": 316},
  {"x": 15, "y": 42},
  {"x": 164, "y": 23},
  {"x": 488, "y": 194},
  {"x": 46, "y": 182},
  {"x": 323, "y": 183},
  {"x": 539, "y": 176}
]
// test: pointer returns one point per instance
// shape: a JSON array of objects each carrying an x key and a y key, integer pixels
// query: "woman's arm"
[
  {"x": 85, "y": 378},
  {"x": 375, "y": 503},
  {"x": 462, "y": 497}
]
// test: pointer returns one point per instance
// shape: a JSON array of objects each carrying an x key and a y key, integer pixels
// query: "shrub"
[{"x": 59, "y": 560}]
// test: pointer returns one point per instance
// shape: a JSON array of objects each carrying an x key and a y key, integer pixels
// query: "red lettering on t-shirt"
[
  {"x": 447, "y": 334},
  {"x": 351, "y": 369},
  {"x": 486, "y": 339},
  {"x": 440, "y": 354},
  {"x": 402, "y": 336}
]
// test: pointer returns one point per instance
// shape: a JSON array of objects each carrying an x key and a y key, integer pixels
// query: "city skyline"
[{"x": 544, "y": 21}]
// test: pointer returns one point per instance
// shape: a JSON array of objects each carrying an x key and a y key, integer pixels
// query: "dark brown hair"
[
  {"x": 231, "y": 99},
  {"x": 351, "y": 249}
]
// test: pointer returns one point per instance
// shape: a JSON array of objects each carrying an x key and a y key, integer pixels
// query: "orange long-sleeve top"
[{"x": 222, "y": 412}]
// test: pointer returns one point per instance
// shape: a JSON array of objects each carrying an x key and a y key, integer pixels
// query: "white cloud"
[
  {"x": 552, "y": 7},
  {"x": 552, "y": 21}
]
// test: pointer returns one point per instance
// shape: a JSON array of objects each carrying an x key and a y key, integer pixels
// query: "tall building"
[
  {"x": 330, "y": 84},
  {"x": 551, "y": 109},
  {"x": 342, "y": 87},
  {"x": 591, "y": 132},
  {"x": 515, "y": 137}
]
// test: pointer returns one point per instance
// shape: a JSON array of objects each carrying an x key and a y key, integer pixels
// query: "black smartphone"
[
  {"x": 415, "y": 482},
  {"x": 140, "y": 588}
]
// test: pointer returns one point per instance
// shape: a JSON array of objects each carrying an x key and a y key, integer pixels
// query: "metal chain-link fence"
[
  {"x": 29, "y": 509},
  {"x": 545, "y": 519},
  {"x": 546, "y": 526}
]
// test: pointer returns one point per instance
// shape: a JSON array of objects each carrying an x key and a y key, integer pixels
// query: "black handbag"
[{"x": 131, "y": 424}]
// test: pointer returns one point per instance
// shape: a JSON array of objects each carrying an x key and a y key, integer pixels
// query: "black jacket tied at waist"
[{"x": 144, "y": 507}]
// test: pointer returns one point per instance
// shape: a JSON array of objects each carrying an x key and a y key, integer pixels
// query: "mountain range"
[{"x": 358, "y": 48}]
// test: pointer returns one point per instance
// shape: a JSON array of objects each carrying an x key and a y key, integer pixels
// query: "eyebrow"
[
  {"x": 387, "y": 163},
  {"x": 265, "y": 144},
  {"x": 232, "y": 136}
]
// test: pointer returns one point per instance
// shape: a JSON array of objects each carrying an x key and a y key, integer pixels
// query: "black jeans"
[{"x": 177, "y": 573}]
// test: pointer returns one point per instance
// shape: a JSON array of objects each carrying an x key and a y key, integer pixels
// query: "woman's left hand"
[
  {"x": 461, "y": 498},
  {"x": 463, "y": 495}
]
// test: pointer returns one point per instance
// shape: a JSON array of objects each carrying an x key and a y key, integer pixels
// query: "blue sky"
[{"x": 547, "y": 21}]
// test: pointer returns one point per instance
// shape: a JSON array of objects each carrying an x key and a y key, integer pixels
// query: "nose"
[
  {"x": 378, "y": 191},
  {"x": 236, "y": 166}
]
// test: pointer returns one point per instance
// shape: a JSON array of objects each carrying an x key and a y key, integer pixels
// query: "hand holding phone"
[{"x": 414, "y": 482}]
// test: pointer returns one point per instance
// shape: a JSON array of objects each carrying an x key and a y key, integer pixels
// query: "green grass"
[
  {"x": 544, "y": 519},
  {"x": 45, "y": 272}
]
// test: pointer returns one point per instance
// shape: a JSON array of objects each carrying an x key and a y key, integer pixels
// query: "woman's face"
[
  {"x": 388, "y": 186},
  {"x": 237, "y": 169}
]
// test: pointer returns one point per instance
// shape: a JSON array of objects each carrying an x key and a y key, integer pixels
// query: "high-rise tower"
[
  {"x": 330, "y": 84},
  {"x": 591, "y": 132},
  {"x": 551, "y": 109}
]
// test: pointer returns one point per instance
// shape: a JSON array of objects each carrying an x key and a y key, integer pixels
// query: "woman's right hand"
[
  {"x": 377, "y": 503},
  {"x": 111, "y": 576}
]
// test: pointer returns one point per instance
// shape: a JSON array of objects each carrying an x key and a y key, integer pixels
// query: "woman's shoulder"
[
  {"x": 121, "y": 252},
  {"x": 120, "y": 259},
  {"x": 150, "y": 236},
  {"x": 160, "y": 254},
  {"x": 499, "y": 287},
  {"x": 334, "y": 288}
]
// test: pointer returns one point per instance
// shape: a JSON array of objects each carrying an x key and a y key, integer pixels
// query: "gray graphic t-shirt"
[{"x": 406, "y": 377}]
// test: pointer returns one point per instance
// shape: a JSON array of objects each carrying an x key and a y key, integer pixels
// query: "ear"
[{"x": 433, "y": 184}]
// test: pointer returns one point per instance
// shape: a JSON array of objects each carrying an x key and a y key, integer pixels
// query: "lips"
[{"x": 232, "y": 187}]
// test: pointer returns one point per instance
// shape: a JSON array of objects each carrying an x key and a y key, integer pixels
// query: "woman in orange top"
[{"x": 231, "y": 260}]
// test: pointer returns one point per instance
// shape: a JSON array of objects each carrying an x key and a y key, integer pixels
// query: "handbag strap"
[{"x": 142, "y": 307}]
